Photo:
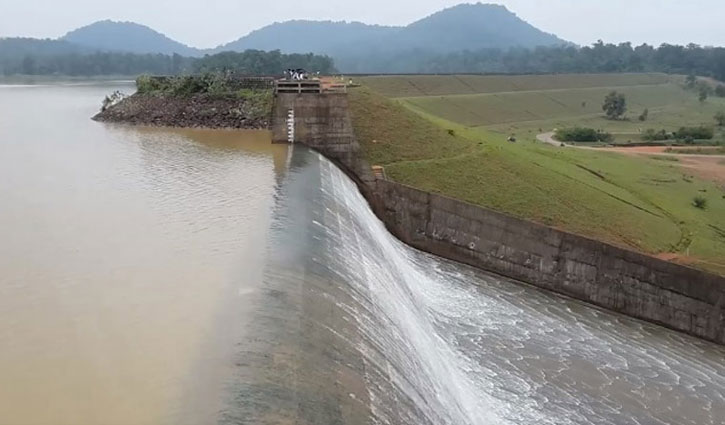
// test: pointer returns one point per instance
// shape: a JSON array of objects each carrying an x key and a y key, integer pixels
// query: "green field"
[
  {"x": 430, "y": 85},
  {"x": 455, "y": 144}
]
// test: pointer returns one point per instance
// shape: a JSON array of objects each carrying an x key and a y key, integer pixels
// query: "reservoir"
[{"x": 159, "y": 276}]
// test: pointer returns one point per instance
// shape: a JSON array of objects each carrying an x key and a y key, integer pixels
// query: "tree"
[
  {"x": 720, "y": 90},
  {"x": 29, "y": 65},
  {"x": 720, "y": 118},
  {"x": 704, "y": 92},
  {"x": 690, "y": 81},
  {"x": 615, "y": 105},
  {"x": 645, "y": 115}
]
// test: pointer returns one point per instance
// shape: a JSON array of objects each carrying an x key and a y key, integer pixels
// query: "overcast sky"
[{"x": 208, "y": 23}]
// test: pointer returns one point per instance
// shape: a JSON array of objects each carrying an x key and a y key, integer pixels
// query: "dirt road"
[{"x": 709, "y": 167}]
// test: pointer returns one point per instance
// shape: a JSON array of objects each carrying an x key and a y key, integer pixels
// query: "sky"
[{"x": 209, "y": 23}]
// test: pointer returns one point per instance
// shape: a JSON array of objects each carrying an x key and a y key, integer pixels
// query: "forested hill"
[
  {"x": 468, "y": 38},
  {"x": 127, "y": 37},
  {"x": 309, "y": 36},
  {"x": 466, "y": 26}
]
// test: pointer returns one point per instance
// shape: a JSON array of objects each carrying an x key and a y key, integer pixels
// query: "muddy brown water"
[{"x": 156, "y": 276}]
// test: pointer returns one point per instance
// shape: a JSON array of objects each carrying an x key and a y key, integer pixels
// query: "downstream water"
[{"x": 155, "y": 276}]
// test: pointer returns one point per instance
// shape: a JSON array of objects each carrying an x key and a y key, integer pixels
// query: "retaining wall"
[{"x": 678, "y": 297}]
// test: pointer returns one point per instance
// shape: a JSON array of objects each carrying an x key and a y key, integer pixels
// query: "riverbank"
[
  {"x": 207, "y": 100},
  {"x": 198, "y": 111}
]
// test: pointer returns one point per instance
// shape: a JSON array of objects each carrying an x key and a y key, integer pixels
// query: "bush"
[
  {"x": 615, "y": 105},
  {"x": 652, "y": 135},
  {"x": 720, "y": 118},
  {"x": 720, "y": 90},
  {"x": 211, "y": 83},
  {"x": 148, "y": 84},
  {"x": 581, "y": 134},
  {"x": 645, "y": 114},
  {"x": 695, "y": 133},
  {"x": 700, "y": 202}
]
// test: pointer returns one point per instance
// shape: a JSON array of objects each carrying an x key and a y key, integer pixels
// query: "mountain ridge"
[
  {"x": 355, "y": 47},
  {"x": 452, "y": 29},
  {"x": 126, "y": 36}
]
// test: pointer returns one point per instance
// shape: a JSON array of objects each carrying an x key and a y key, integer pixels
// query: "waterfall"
[{"x": 435, "y": 342}]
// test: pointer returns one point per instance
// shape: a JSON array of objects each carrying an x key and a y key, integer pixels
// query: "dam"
[{"x": 155, "y": 276}]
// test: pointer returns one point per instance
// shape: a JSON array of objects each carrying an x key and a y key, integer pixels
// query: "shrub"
[
  {"x": 149, "y": 84},
  {"x": 211, "y": 83},
  {"x": 645, "y": 114},
  {"x": 695, "y": 133},
  {"x": 615, "y": 105},
  {"x": 652, "y": 135},
  {"x": 700, "y": 202},
  {"x": 720, "y": 90},
  {"x": 720, "y": 118},
  {"x": 703, "y": 92},
  {"x": 581, "y": 134}
]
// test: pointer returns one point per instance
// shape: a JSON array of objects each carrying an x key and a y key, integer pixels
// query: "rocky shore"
[{"x": 202, "y": 110}]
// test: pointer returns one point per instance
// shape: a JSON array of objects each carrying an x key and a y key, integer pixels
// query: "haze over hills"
[
  {"x": 127, "y": 37},
  {"x": 468, "y": 38},
  {"x": 355, "y": 46},
  {"x": 301, "y": 36},
  {"x": 462, "y": 27}
]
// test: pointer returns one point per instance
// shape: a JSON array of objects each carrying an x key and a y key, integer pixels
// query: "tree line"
[
  {"x": 48, "y": 57},
  {"x": 63, "y": 61},
  {"x": 598, "y": 58}
]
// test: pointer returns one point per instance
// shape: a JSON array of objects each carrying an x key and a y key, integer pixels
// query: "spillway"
[{"x": 352, "y": 326}]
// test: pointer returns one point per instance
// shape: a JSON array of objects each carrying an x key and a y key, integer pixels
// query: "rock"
[{"x": 195, "y": 111}]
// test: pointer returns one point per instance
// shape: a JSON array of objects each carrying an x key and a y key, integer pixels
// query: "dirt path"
[{"x": 709, "y": 167}]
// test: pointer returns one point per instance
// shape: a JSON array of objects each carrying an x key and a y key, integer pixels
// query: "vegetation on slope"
[
  {"x": 214, "y": 100},
  {"x": 51, "y": 57},
  {"x": 432, "y": 85},
  {"x": 600, "y": 57},
  {"x": 389, "y": 133},
  {"x": 529, "y": 105},
  {"x": 640, "y": 203}
]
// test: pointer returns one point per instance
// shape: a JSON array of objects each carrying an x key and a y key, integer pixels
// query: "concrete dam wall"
[{"x": 675, "y": 296}]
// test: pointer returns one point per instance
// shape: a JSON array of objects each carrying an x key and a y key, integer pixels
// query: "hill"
[
  {"x": 127, "y": 37},
  {"x": 359, "y": 47},
  {"x": 22, "y": 55},
  {"x": 302, "y": 36},
  {"x": 17, "y": 47},
  {"x": 471, "y": 27}
]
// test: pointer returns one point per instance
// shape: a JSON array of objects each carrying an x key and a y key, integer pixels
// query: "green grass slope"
[
  {"x": 489, "y": 109},
  {"x": 638, "y": 203},
  {"x": 433, "y": 85}
]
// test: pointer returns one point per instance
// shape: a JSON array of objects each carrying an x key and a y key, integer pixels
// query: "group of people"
[{"x": 296, "y": 74}]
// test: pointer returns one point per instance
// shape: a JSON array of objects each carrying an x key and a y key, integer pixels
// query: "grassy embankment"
[
  {"x": 456, "y": 145},
  {"x": 528, "y": 105}
]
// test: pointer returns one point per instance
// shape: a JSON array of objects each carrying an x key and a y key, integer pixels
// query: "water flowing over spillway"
[
  {"x": 158, "y": 276},
  {"x": 381, "y": 330}
]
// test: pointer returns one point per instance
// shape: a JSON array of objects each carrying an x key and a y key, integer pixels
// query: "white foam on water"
[{"x": 457, "y": 346}]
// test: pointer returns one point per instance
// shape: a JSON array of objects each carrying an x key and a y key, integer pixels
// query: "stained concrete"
[{"x": 681, "y": 298}]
